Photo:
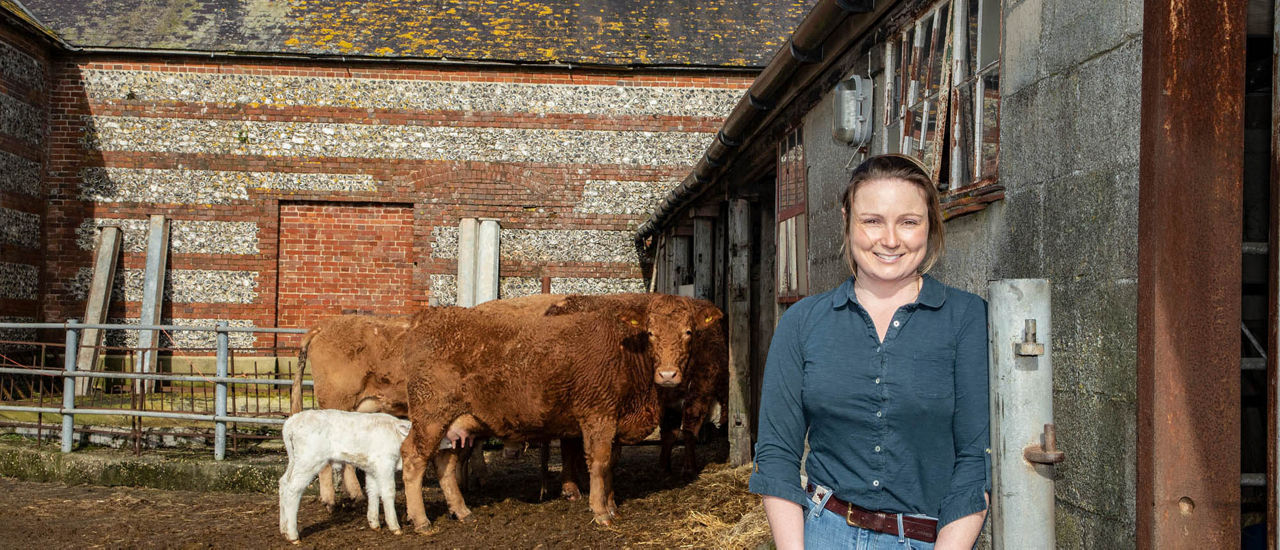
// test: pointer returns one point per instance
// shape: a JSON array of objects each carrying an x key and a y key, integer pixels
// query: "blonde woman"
[{"x": 886, "y": 375}]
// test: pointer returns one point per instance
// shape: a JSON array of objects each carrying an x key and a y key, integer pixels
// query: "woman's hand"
[
  {"x": 786, "y": 520},
  {"x": 961, "y": 534}
]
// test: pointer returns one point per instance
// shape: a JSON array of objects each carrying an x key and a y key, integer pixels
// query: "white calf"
[{"x": 369, "y": 441}]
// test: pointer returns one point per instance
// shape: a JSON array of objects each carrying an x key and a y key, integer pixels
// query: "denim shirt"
[{"x": 899, "y": 426}]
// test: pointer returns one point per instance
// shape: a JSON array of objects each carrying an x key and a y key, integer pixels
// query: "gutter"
[{"x": 803, "y": 47}]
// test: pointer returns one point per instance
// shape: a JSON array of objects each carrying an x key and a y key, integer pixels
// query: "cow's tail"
[{"x": 295, "y": 396}]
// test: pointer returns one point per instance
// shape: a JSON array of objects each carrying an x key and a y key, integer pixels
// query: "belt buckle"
[{"x": 848, "y": 518}]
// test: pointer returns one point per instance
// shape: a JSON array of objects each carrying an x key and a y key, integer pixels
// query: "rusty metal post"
[
  {"x": 1189, "y": 227},
  {"x": 1023, "y": 444}
]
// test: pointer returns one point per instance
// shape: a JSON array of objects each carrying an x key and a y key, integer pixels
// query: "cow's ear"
[
  {"x": 403, "y": 428},
  {"x": 709, "y": 316}
]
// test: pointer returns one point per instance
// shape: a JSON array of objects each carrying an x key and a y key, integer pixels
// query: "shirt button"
[
  {"x": 877, "y": 448},
  {"x": 878, "y": 415},
  {"x": 877, "y": 350},
  {"x": 877, "y": 379},
  {"x": 895, "y": 323},
  {"x": 875, "y": 483}
]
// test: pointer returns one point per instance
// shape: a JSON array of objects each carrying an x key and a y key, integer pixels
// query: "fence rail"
[{"x": 223, "y": 381}]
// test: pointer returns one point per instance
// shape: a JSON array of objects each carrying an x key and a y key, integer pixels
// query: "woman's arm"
[
  {"x": 964, "y": 508},
  {"x": 786, "y": 520},
  {"x": 961, "y": 533}
]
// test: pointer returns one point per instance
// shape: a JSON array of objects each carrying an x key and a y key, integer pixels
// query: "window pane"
[
  {"x": 893, "y": 138},
  {"x": 989, "y": 48},
  {"x": 971, "y": 67},
  {"x": 915, "y": 130},
  {"x": 990, "y": 122},
  {"x": 962, "y": 155},
  {"x": 922, "y": 54},
  {"x": 937, "y": 51}
]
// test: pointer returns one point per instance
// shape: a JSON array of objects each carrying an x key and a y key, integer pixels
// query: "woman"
[{"x": 886, "y": 375}]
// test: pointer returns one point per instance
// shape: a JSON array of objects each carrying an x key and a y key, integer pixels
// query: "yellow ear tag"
[
  {"x": 634, "y": 322},
  {"x": 709, "y": 319}
]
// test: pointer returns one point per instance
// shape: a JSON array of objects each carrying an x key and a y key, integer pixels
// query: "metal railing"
[{"x": 221, "y": 381}]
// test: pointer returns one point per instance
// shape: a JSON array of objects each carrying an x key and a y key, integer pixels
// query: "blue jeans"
[{"x": 823, "y": 530}]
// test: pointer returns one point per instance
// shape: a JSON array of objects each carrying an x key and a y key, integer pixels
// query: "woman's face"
[{"x": 888, "y": 229}]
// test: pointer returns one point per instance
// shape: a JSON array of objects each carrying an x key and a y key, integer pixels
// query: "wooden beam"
[
  {"x": 107, "y": 251},
  {"x": 680, "y": 268},
  {"x": 739, "y": 332},
  {"x": 702, "y": 258},
  {"x": 153, "y": 294}
]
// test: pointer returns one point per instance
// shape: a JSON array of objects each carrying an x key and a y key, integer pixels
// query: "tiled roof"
[{"x": 717, "y": 33}]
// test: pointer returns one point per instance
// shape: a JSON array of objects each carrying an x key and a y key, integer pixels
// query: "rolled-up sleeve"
[
  {"x": 971, "y": 474},
  {"x": 780, "y": 440}
]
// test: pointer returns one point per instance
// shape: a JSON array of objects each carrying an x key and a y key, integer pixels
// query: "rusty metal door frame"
[
  {"x": 1273, "y": 298},
  {"x": 1189, "y": 228}
]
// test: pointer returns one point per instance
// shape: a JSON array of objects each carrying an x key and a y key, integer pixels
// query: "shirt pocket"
[{"x": 933, "y": 373}]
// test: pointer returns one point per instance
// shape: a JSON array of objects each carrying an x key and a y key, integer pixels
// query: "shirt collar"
[{"x": 932, "y": 293}]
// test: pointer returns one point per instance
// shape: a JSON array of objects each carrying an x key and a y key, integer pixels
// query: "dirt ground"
[{"x": 656, "y": 511}]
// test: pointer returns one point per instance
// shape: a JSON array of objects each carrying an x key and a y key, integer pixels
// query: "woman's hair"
[{"x": 903, "y": 167}]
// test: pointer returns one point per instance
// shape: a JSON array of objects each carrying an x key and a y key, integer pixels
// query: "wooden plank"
[
  {"x": 106, "y": 252},
  {"x": 153, "y": 294},
  {"x": 721, "y": 262},
  {"x": 680, "y": 267},
  {"x": 702, "y": 272},
  {"x": 739, "y": 332}
]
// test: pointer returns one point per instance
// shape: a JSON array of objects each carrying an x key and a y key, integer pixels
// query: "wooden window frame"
[
  {"x": 791, "y": 208},
  {"x": 942, "y": 101}
]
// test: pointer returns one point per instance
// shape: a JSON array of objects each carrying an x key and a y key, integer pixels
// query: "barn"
[{"x": 314, "y": 158}]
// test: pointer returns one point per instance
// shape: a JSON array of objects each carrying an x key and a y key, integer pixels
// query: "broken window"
[
  {"x": 792, "y": 205},
  {"x": 942, "y": 98}
]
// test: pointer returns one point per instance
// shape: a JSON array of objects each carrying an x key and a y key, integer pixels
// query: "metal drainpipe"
[{"x": 1023, "y": 444}]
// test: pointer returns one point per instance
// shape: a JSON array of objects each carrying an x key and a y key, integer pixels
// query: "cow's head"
[{"x": 674, "y": 324}]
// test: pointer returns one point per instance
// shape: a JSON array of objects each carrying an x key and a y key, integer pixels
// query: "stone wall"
[
  {"x": 569, "y": 162},
  {"x": 1069, "y": 133},
  {"x": 24, "y": 115}
]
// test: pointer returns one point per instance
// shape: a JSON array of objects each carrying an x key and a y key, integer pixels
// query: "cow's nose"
[{"x": 667, "y": 377}]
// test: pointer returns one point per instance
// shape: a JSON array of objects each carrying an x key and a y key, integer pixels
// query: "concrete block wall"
[
  {"x": 1069, "y": 133},
  {"x": 246, "y": 159},
  {"x": 24, "y": 115}
]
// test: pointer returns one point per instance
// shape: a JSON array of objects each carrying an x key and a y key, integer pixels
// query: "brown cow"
[
  {"x": 355, "y": 363},
  {"x": 585, "y": 374}
]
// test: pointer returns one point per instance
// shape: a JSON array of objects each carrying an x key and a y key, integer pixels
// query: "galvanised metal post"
[
  {"x": 1023, "y": 442},
  {"x": 69, "y": 384},
  {"x": 220, "y": 394}
]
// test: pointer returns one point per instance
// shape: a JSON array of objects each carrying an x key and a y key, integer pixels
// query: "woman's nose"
[{"x": 890, "y": 238}]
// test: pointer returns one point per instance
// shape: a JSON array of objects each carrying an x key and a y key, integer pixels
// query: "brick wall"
[
  {"x": 344, "y": 259},
  {"x": 24, "y": 101},
  {"x": 568, "y": 161}
]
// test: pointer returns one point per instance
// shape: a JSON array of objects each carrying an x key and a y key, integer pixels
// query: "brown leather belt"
[{"x": 921, "y": 529}]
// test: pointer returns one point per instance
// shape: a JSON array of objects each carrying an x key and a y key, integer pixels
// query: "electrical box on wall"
[{"x": 851, "y": 120}]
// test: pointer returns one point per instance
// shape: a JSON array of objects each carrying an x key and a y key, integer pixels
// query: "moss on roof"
[{"x": 724, "y": 33}]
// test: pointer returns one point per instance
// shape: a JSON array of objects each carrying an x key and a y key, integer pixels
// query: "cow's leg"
[
  {"x": 597, "y": 439},
  {"x": 447, "y": 463},
  {"x": 608, "y": 480},
  {"x": 371, "y": 510},
  {"x": 327, "y": 495},
  {"x": 476, "y": 466},
  {"x": 664, "y": 456},
  {"x": 544, "y": 473},
  {"x": 387, "y": 494},
  {"x": 572, "y": 467},
  {"x": 294, "y": 482},
  {"x": 690, "y": 454},
  {"x": 414, "y": 466}
]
